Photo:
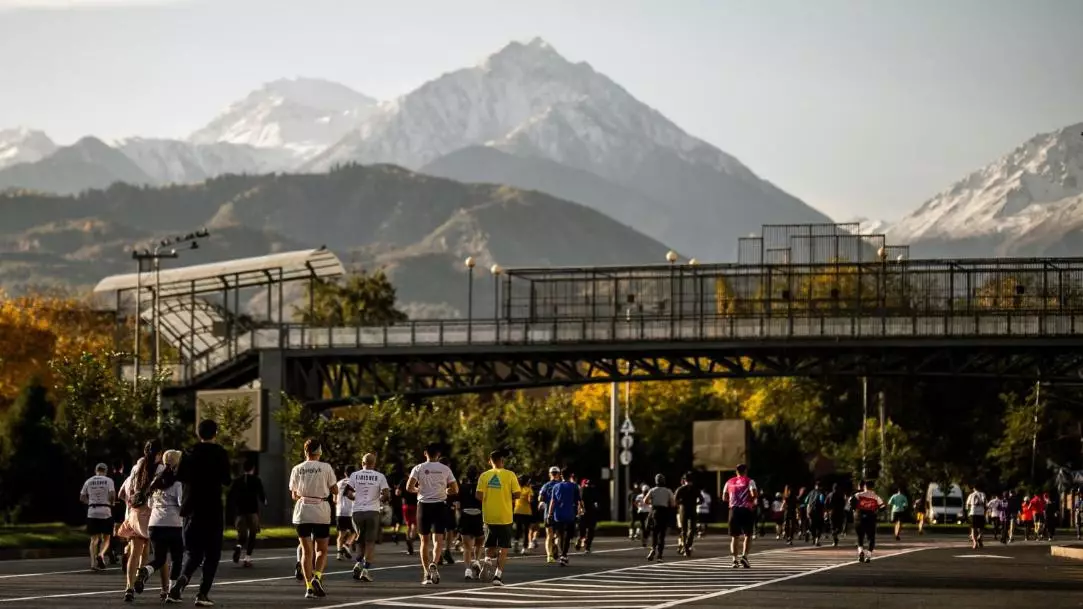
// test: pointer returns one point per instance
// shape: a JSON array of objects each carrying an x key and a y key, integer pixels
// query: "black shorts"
[
  {"x": 432, "y": 518},
  {"x": 742, "y": 521},
  {"x": 345, "y": 524},
  {"x": 470, "y": 525},
  {"x": 898, "y": 517},
  {"x": 315, "y": 531},
  {"x": 524, "y": 520},
  {"x": 99, "y": 526},
  {"x": 977, "y": 523},
  {"x": 118, "y": 513},
  {"x": 498, "y": 535}
]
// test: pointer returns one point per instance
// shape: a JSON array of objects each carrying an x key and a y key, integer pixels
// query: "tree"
[
  {"x": 33, "y": 466},
  {"x": 362, "y": 299},
  {"x": 234, "y": 417}
]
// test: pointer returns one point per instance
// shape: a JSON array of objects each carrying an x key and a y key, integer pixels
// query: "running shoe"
[
  {"x": 317, "y": 587},
  {"x": 469, "y": 574},
  {"x": 177, "y": 589},
  {"x": 129, "y": 596},
  {"x": 366, "y": 576},
  {"x": 247, "y": 563},
  {"x": 550, "y": 560},
  {"x": 498, "y": 580},
  {"x": 141, "y": 579},
  {"x": 651, "y": 555},
  {"x": 358, "y": 568},
  {"x": 101, "y": 563},
  {"x": 736, "y": 563},
  {"x": 309, "y": 593},
  {"x": 434, "y": 573},
  {"x": 476, "y": 570},
  {"x": 298, "y": 573},
  {"x": 426, "y": 580},
  {"x": 203, "y": 601},
  {"x": 744, "y": 562},
  {"x": 564, "y": 561},
  {"x": 236, "y": 554}
]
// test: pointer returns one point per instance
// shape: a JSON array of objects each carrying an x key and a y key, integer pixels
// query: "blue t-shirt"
[
  {"x": 565, "y": 502},
  {"x": 544, "y": 495}
]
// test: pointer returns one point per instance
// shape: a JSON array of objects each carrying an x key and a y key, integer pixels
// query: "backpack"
[{"x": 815, "y": 502}]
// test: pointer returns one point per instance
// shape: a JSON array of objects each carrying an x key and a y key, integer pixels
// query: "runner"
[
  {"x": 564, "y": 505},
  {"x": 898, "y": 503},
  {"x": 120, "y": 510},
  {"x": 367, "y": 490},
  {"x": 524, "y": 516},
  {"x": 588, "y": 520},
  {"x": 1015, "y": 510},
  {"x": 545, "y": 496},
  {"x": 1077, "y": 511},
  {"x": 975, "y": 506},
  {"x": 409, "y": 514},
  {"x": 1026, "y": 518},
  {"x": 789, "y": 515},
  {"x": 246, "y": 494},
  {"x": 686, "y": 497},
  {"x": 992, "y": 510},
  {"x": 203, "y": 470},
  {"x": 433, "y": 482},
  {"x": 643, "y": 513},
  {"x": 1051, "y": 514},
  {"x": 919, "y": 513},
  {"x": 471, "y": 526},
  {"x": 451, "y": 524},
  {"x": 497, "y": 490},
  {"x": 136, "y": 526},
  {"x": 310, "y": 483},
  {"x": 99, "y": 495},
  {"x": 866, "y": 504},
  {"x": 836, "y": 512},
  {"x": 802, "y": 514},
  {"x": 634, "y": 524},
  {"x": 703, "y": 512},
  {"x": 165, "y": 525},
  {"x": 344, "y": 526},
  {"x": 395, "y": 505},
  {"x": 815, "y": 509},
  {"x": 741, "y": 494}
]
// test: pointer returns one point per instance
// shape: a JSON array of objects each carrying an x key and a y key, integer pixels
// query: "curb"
[{"x": 1074, "y": 551}]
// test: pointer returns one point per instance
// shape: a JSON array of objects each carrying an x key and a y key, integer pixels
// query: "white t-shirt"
[
  {"x": 345, "y": 505},
  {"x": 367, "y": 486},
  {"x": 976, "y": 503},
  {"x": 313, "y": 481},
  {"x": 165, "y": 506},
  {"x": 97, "y": 489},
  {"x": 641, "y": 503},
  {"x": 433, "y": 479}
]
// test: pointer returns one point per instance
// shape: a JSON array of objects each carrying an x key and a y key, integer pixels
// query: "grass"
[{"x": 58, "y": 535}]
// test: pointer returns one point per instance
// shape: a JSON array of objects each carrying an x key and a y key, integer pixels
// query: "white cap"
[{"x": 554, "y": 470}]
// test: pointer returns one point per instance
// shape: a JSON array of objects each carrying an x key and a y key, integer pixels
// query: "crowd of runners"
[{"x": 170, "y": 506}]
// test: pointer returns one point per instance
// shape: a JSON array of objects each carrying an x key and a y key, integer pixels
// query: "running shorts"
[
  {"x": 977, "y": 522},
  {"x": 99, "y": 526},
  {"x": 118, "y": 513},
  {"x": 470, "y": 525},
  {"x": 409, "y": 515},
  {"x": 524, "y": 519},
  {"x": 498, "y": 535},
  {"x": 367, "y": 525},
  {"x": 432, "y": 518},
  {"x": 742, "y": 521},
  {"x": 897, "y": 517},
  {"x": 344, "y": 524},
  {"x": 315, "y": 531}
]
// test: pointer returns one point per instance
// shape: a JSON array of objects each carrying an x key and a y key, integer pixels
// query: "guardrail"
[{"x": 459, "y": 333}]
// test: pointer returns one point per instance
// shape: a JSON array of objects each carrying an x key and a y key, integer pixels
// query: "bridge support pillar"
[{"x": 272, "y": 461}]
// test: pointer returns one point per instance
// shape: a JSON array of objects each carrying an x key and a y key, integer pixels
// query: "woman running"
[
  {"x": 136, "y": 526},
  {"x": 165, "y": 525}
]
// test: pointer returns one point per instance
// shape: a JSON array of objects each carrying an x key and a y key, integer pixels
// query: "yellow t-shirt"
[
  {"x": 525, "y": 505},
  {"x": 496, "y": 487}
]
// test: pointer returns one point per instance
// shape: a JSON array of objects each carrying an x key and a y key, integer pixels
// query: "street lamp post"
[
  {"x": 470, "y": 263},
  {"x": 496, "y": 270},
  {"x": 671, "y": 258},
  {"x": 697, "y": 307}
]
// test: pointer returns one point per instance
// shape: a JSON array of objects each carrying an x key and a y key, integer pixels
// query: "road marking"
[{"x": 981, "y": 556}]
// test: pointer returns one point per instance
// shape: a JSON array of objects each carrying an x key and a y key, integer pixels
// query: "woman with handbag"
[{"x": 135, "y": 528}]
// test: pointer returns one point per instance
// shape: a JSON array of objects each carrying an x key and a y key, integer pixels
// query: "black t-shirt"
[
  {"x": 687, "y": 497},
  {"x": 247, "y": 494},
  {"x": 408, "y": 498},
  {"x": 204, "y": 470},
  {"x": 468, "y": 499},
  {"x": 589, "y": 495},
  {"x": 836, "y": 501}
]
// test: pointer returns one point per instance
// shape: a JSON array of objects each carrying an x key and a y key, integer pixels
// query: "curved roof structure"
[{"x": 230, "y": 274}]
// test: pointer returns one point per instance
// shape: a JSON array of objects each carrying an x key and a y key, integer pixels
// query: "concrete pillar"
[{"x": 272, "y": 460}]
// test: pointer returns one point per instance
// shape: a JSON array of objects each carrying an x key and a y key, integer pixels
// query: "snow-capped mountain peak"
[
  {"x": 1007, "y": 198},
  {"x": 24, "y": 145},
  {"x": 304, "y": 115}
]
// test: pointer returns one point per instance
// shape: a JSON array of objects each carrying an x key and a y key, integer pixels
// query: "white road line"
[{"x": 772, "y": 581}]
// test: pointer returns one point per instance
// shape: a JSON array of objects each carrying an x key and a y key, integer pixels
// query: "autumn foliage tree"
[{"x": 360, "y": 299}]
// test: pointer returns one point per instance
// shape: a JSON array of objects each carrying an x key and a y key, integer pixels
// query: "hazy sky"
[{"x": 857, "y": 107}]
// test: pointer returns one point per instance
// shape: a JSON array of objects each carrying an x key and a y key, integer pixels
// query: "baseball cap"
[
  {"x": 101, "y": 467},
  {"x": 554, "y": 470}
]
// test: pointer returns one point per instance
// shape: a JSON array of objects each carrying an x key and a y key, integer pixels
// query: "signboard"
[
  {"x": 627, "y": 427},
  {"x": 719, "y": 446},
  {"x": 626, "y": 442},
  {"x": 625, "y": 457},
  {"x": 253, "y": 439}
]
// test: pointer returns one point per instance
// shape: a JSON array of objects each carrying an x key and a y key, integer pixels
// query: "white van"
[{"x": 944, "y": 508}]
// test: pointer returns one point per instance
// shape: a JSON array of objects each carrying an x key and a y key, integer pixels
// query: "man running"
[
  {"x": 919, "y": 513},
  {"x": 524, "y": 516},
  {"x": 471, "y": 525},
  {"x": 898, "y": 503},
  {"x": 564, "y": 505},
  {"x": 635, "y": 526},
  {"x": 992, "y": 511},
  {"x": 204, "y": 471},
  {"x": 588, "y": 521},
  {"x": 344, "y": 526},
  {"x": 545, "y": 497},
  {"x": 497, "y": 489},
  {"x": 247, "y": 496},
  {"x": 836, "y": 512},
  {"x": 432, "y": 481},
  {"x": 310, "y": 483},
  {"x": 120, "y": 511},
  {"x": 741, "y": 494},
  {"x": 815, "y": 508},
  {"x": 369, "y": 491},
  {"x": 687, "y": 498},
  {"x": 975, "y": 507},
  {"x": 703, "y": 512},
  {"x": 409, "y": 514},
  {"x": 866, "y": 505},
  {"x": 99, "y": 494}
]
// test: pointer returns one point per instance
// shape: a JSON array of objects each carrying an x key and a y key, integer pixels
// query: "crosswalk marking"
[{"x": 649, "y": 586}]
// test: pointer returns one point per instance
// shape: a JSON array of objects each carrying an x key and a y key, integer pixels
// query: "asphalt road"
[{"x": 916, "y": 573}]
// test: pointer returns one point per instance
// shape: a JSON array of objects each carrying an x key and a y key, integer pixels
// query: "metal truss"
[{"x": 324, "y": 382}]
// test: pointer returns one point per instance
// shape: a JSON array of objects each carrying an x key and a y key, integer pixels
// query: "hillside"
[{"x": 418, "y": 227}]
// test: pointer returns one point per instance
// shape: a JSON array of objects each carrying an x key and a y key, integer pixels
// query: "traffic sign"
[
  {"x": 627, "y": 427},
  {"x": 626, "y": 442},
  {"x": 625, "y": 457}
]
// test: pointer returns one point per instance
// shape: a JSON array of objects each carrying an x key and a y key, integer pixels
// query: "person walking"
[
  {"x": 99, "y": 494},
  {"x": 898, "y": 503},
  {"x": 866, "y": 505},
  {"x": 588, "y": 521},
  {"x": 166, "y": 526},
  {"x": 836, "y": 512},
  {"x": 564, "y": 505},
  {"x": 497, "y": 489},
  {"x": 471, "y": 524},
  {"x": 368, "y": 490},
  {"x": 703, "y": 513},
  {"x": 311, "y": 481},
  {"x": 117, "y": 547},
  {"x": 816, "y": 508},
  {"x": 975, "y": 508},
  {"x": 344, "y": 527},
  {"x": 136, "y": 526},
  {"x": 545, "y": 497},
  {"x": 204, "y": 471},
  {"x": 524, "y": 516},
  {"x": 687, "y": 497},
  {"x": 919, "y": 513},
  {"x": 247, "y": 495},
  {"x": 433, "y": 482},
  {"x": 789, "y": 515},
  {"x": 741, "y": 493}
]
